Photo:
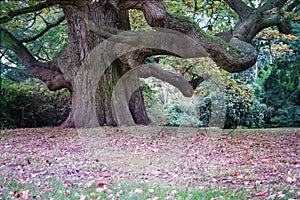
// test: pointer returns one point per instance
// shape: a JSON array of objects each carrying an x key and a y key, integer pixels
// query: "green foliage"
[
  {"x": 286, "y": 116},
  {"x": 149, "y": 94},
  {"x": 204, "y": 106},
  {"x": 215, "y": 16},
  {"x": 182, "y": 114},
  {"x": 138, "y": 21},
  {"x": 242, "y": 107},
  {"x": 30, "y": 104},
  {"x": 279, "y": 86},
  {"x": 27, "y": 26},
  {"x": 13, "y": 73},
  {"x": 252, "y": 117}
]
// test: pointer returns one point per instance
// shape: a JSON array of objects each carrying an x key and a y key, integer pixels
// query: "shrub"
[
  {"x": 31, "y": 104},
  {"x": 182, "y": 114},
  {"x": 286, "y": 116},
  {"x": 254, "y": 117}
]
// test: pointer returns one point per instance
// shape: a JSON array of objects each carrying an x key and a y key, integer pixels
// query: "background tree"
[
  {"x": 279, "y": 80},
  {"x": 89, "y": 23}
]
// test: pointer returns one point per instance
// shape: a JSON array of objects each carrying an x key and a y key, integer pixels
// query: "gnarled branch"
[
  {"x": 44, "y": 71},
  {"x": 234, "y": 55}
]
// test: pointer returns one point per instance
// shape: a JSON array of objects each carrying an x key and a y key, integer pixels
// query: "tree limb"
[
  {"x": 234, "y": 56},
  {"x": 239, "y": 7},
  {"x": 157, "y": 71},
  {"x": 47, "y": 72},
  {"x": 236, "y": 53}
]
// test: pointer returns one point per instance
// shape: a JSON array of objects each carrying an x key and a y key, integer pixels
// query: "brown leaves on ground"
[{"x": 183, "y": 157}]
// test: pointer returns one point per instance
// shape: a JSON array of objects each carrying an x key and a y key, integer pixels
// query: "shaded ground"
[{"x": 258, "y": 160}]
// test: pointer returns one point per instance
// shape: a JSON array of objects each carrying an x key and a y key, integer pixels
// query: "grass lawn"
[{"x": 150, "y": 163}]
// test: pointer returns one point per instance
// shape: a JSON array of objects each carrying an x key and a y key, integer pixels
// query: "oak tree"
[{"x": 98, "y": 33}]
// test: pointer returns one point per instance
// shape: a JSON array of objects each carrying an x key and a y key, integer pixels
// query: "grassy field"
[{"x": 149, "y": 163}]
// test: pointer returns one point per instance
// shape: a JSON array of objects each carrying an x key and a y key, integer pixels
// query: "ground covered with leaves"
[{"x": 149, "y": 163}]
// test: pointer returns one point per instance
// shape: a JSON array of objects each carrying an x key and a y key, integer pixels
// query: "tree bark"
[{"x": 93, "y": 82}]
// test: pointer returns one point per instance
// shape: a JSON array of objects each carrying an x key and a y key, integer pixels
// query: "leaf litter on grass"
[{"x": 264, "y": 162}]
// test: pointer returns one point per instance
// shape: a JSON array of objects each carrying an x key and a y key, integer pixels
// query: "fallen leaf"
[
  {"x": 25, "y": 194},
  {"x": 262, "y": 194},
  {"x": 101, "y": 184},
  {"x": 89, "y": 184},
  {"x": 138, "y": 191},
  {"x": 5, "y": 160},
  {"x": 68, "y": 184},
  {"x": 289, "y": 179},
  {"x": 119, "y": 193},
  {"x": 234, "y": 175},
  {"x": 271, "y": 197},
  {"x": 281, "y": 195},
  {"x": 67, "y": 192},
  {"x": 108, "y": 191},
  {"x": 49, "y": 188},
  {"x": 93, "y": 194},
  {"x": 17, "y": 194},
  {"x": 169, "y": 197}
]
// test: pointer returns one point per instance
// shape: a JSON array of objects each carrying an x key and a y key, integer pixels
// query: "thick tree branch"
[
  {"x": 233, "y": 57},
  {"x": 48, "y": 27},
  {"x": 239, "y": 7},
  {"x": 236, "y": 53},
  {"x": 269, "y": 4},
  {"x": 199, "y": 79},
  {"x": 47, "y": 72},
  {"x": 226, "y": 36},
  {"x": 157, "y": 71},
  {"x": 10, "y": 42}
]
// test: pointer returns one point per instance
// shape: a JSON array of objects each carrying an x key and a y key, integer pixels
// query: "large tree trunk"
[{"x": 93, "y": 82}]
